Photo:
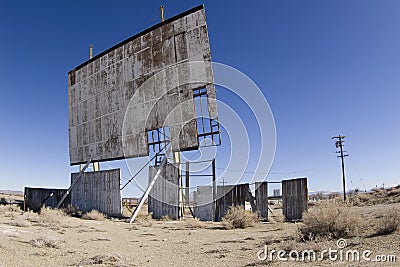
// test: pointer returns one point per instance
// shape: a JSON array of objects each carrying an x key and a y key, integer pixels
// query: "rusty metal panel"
[
  {"x": 144, "y": 83},
  {"x": 261, "y": 193},
  {"x": 164, "y": 196},
  {"x": 98, "y": 190},
  {"x": 294, "y": 198},
  {"x": 203, "y": 203},
  {"x": 36, "y": 198},
  {"x": 230, "y": 195}
]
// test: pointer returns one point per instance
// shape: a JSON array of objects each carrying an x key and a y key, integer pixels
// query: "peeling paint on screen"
[{"x": 144, "y": 83}]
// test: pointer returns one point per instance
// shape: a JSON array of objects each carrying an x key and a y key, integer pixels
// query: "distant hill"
[
  {"x": 12, "y": 192},
  {"x": 377, "y": 196}
]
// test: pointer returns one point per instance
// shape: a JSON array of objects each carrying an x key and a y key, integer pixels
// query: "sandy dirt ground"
[{"x": 26, "y": 240}]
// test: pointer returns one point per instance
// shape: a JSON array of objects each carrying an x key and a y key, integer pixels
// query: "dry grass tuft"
[
  {"x": 51, "y": 217},
  {"x": 276, "y": 217},
  {"x": 387, "y": 224},
  {"x": 48, "y": 217},
  {"x": 72, "y": 211},
  {"x": 31, "y": 217},
  {"x": 9, "y": 208},
  {"x": 46, "y": 241},
  {"x": 94, "y": 215},
  {"x": 293, "y": 245},
  {"x": 166, "y": 218},
  {"x": 20, "y": 221},
  {"x": 144, "y": 219},
  {"x": 193, "y": 223},
  {"x": 329, "y": 220},
  {"x": 237, "y": 217},
  {"x": 107, "y": 260}
]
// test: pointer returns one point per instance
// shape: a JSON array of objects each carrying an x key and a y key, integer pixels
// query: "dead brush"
[
  {"x": 94, "y": 215},
  {"x": 238, "y": 217},
  {"x": 51, "y": 217},
  {"x": 329, "y": 220},
  {"x": 106, "y": 260},
  {"x": 9, "y": 208},
  {"x": 46, "y": 241},
  {"x": 193, "y": 223},
  {"x": 73, "y": 211},
  {"x": 387, "y": 223},
  {"x": 20, "y": 221},
  {"x": 166, "y": 218},
  {"x": 32, "y": 217},
  {"x": 277, "y": 217},
  {"x": 48, "y": 217},
  {"x": 144, "y": 219},
  {"x": 293, "y": 245}
]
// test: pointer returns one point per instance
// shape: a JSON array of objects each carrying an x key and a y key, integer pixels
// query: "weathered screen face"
[{"x": 146, "y": 83}]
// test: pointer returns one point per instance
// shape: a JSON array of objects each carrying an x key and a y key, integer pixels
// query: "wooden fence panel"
[
  {"x": 294, "y": 198},
  {"x": 98, "y": 190}
]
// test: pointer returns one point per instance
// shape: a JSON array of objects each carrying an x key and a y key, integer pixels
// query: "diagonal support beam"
[
  {"x": 146, "y": 194},
  {"x": 73, "y": 184}
]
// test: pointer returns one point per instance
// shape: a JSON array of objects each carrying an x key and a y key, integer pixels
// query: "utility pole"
[
  {"x": 223, "y": 182},
  {"x": 339, "y": 144}
]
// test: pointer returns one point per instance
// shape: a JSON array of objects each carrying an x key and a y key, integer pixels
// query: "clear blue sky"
[{"x": 325, "y": 67}]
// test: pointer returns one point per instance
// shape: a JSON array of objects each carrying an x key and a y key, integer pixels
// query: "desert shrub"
[
  {"x": 167, "y": 218},
  {"x": 387, "y": 223},
  {"x": 319, "y": 196},
  {"x": 237, "y": 217},
  {"x": 46, "y": 241},
  {"x": 293, "y": 245},
  {"x": 72, "y": 211},
  {"x": 106, "y": 260},
  {"x": 364, "y": 197},
  {"x": 32, "y": 217},
  {"x": 20, "y": 221},
  {"x": 194, "y": 223},
  {"x": 355, "y": 201},
  {"x": 144, "y": 219},
  {"x": 50, "y": 217},
  {"x": 329, "y": 219},
  {"x": 311, "y": 203},
  {"x": 277, "y": 217},
  {"x": 333, "y": 195},
  {"x": 393, "y": 192},
  {"x": 94, "y": 215},
  {"x": 9, "y": 208}
]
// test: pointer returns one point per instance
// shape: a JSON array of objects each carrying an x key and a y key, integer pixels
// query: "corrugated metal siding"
[
  {"x": 203, "y": 203},
  {"x": 164, "y": 196},
  {"x": 98, "y": 191},
  {"x": 230, "y": 195},
  {"x": 262, "y": 199},
  {"x": 35, "y": 198},
  {"x": 294, "y": 198}
]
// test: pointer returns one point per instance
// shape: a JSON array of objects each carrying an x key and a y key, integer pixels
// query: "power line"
[
  {"x": 264, "y": 173},
  {"x": 136, "y": 184},
  {"x": 267, "y": 173}
]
